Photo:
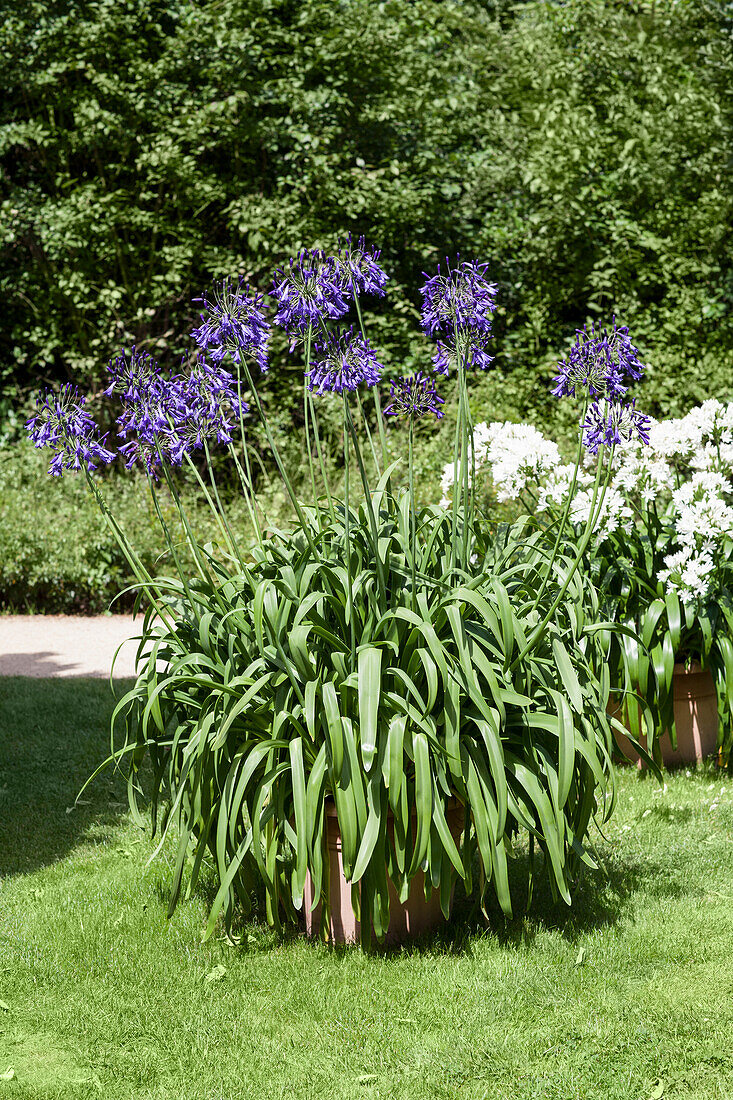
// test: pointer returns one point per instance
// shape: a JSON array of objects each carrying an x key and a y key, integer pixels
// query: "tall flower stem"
[
  {"x": 139, "y": 571},
  {"x": 309, "y": 414},
  {"x": 582, "y": 547},
  {"x": 319, "y": 454},
  {"x": 246, "y": 482},
  {"x": 230, "y": 539},
  {"x": 466, "y": 443},
  {"x": 182, "y": 573},
  {"x": 280, "y": 465},
  {"x": 456, "y": 479},
  {"x": 199, "y": 560},
  {"x": 413, "y": 517},
  {"x": 367, "y": 430},
  {"x": 202, "y": 564},
  {"x": 565, "y": 513},
  {"x": 217, "y": 511},
  {"x": 375, "y": 389},
  {"x": 368, "y": 504},
  {"x": 347, "y": 532},
  {"x": 248, "y": 494},
  {"x": 306, "y": 414}
]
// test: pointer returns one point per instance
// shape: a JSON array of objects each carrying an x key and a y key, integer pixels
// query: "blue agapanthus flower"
[
  {"x": 233, "y": 323},
  {"x": 602, "y": 362},
  {"x": 204, "y": 406},
  {"x": 145, "y": 395},
  {"x": 61, "y": 423},
  {"x": 164, "y": 418},
  {"x": 414, "y": 396},
  {"x": 359, "y": 270},
  {"x": 461, "y": 299},
  {"x": 468, "y": 346},
  {"x": 310, "y": 291},
  {"x": 345, "y": 361},
  {"x": 608, "y": 423},
  {"x": 457, "y": 308}
]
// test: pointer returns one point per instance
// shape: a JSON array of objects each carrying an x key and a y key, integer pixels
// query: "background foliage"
[{"x": 583, "y": 148}]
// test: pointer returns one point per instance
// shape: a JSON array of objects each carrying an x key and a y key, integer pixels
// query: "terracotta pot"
[
  {"x": 695, "y": 719},
  {"x": 406, "y": 919}
]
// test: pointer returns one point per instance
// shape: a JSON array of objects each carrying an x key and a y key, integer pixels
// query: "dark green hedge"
[{"x": 583, "y": 148}]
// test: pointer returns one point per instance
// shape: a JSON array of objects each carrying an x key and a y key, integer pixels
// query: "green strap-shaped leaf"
[
  {"x": 371, "y": 832},
  {"x": 674, "y": 619},
  {"x": 566, "y": 747},
  {"x": 452, "y": 717},
  {"x": 443, "y": 831},
  {"x": 311, "y": 720},
  {"x": 334, "y": 728},
  {"x": 423, "y": 800},
  {"x": 495, "y": 753},
  {"x": 567, "y": 675},
  {"x": 393, "y": 759},
  {"x": 507, "y": 618},
  {"x": 355, "y": 774},
  {"x": 539, "y": 798},
  {"x": 369, "y": 664}
]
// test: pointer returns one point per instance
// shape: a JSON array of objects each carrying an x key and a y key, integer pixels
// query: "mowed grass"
[{"x": 629, "y": 995}]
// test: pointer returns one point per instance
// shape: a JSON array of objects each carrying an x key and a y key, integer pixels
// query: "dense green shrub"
[
  {"x": 56, "y": 555},
  {"x": 582, "y": 147}
]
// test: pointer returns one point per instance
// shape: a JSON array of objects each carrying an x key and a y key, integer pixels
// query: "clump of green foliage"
[{"x": 56, "y": 557}]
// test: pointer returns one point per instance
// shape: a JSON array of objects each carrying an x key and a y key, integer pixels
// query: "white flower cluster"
[
  {"x": 685, "y": 474},
  {"x": 517, "y": 454}
]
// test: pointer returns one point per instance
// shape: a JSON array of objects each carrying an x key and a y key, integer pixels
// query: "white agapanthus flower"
[
  {"x": 671, "y": 439},
  {"x": 614, "y": 511},
  {"x": 689, "y": 572},
  {"x": 642, "y": 475},
  {"x": 701, "y": 508},
  {"x": 518, "y": 455},
  {"x": 686, "y": 472},
  {"x": 556, "y": 486}
]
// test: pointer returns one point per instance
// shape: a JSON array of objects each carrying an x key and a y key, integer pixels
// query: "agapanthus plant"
[
  {"x": 382, "y": 660},
  {"x": 233, "y": 324},
  {"x": 662, "y": 551}
]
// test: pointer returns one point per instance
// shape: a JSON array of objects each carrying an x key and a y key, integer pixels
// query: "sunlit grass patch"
[{"x": 107, "y": 998}]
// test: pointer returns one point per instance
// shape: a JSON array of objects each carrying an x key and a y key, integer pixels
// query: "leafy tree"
[{"x": 583, "y": 148}]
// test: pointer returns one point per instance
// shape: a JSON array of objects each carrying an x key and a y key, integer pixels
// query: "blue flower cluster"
[
  {"x": 308, "y": 293},
  {"x": 457, "y": 308},
  {"x": 317, "y": 288},
  {"x": 600, "y": 361},
  {"x": 414, "y": 396},
  {"x": 359, "y": 270},
  {"x": 609, "y": 424},
  {"x": 167, "y": 418},
  {"x": 344, "y": 362},
  {"x": 233, "y": 323},
  {"x": 61, "y": 423},
  {"x": 603, "y": 362}
]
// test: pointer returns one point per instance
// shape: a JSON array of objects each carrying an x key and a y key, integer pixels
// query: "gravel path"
[{"x": 67, "y": 645}]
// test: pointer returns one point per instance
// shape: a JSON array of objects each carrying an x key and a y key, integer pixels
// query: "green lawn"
[{"x": 629, "y": 995}]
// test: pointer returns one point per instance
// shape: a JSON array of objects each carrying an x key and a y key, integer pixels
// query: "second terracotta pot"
[{"x": 695, "y": 718}]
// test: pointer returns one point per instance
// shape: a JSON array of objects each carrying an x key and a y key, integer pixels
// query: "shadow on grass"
[
  {"x": 53, "y": 734},
  {"x": 600, "y": 899}
]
